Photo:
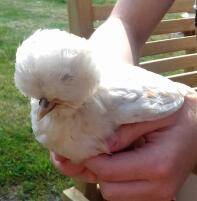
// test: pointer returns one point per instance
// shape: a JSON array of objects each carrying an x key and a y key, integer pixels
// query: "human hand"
[
  {"x": 156, "y": 170},
  {"x": 67, "y": 168}
]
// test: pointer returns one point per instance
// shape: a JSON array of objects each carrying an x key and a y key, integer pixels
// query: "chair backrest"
[{"x": 172, "y": 48}]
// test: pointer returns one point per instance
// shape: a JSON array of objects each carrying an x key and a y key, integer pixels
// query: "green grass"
[
  {"x": 104, "y": 1},
  {"x": 25, "y": 169}
]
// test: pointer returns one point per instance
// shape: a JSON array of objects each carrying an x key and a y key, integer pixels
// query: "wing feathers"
[{"x": 140, "y": 95}]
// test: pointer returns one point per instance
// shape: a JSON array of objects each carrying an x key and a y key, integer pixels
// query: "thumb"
[{"x": 129, "y": 133}]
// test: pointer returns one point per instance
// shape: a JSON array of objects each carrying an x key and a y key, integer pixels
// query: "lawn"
[{"x": 25, "y": 169}]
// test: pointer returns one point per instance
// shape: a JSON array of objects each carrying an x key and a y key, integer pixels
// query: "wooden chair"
[{"x": 174, "y": 54}]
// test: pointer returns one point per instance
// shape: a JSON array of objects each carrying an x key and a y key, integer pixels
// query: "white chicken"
[{"x": 78, "y": 101}]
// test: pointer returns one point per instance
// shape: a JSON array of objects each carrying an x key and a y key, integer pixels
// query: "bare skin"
[{"x": 157, "y": 169}]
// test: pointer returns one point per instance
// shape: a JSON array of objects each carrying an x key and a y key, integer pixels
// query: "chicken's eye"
[
  {"x": 66, "y": 77},
  {"x": 44, "y": 102}
]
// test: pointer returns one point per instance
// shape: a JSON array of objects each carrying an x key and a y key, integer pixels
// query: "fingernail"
[{"x": 59, "y": 158}]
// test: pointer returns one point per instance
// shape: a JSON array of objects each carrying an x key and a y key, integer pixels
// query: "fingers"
[
  {"x": 137, "y": 165},
  {"x": 127, "y": 134},
  {"x": 88, "y": 176},
  {"x": 58, "y": 157},
  {"x": 127, "y": 191},
  {"x": 65, "y": 166},
  {"x": 74, "y": 170}
]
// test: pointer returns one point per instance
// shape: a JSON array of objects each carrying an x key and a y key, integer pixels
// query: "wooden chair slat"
[
  {"x": 80, "y": 17},
  {"x": 182, "y": 6},
  {"x": 73, "y": 194},
  {"x": 176, "y": 25},
  {"x": 189, "y": 78},
  {"x": 102, "y": 12},
  {"x": 171, "y": 64},
  {"x": 169, "y": 45}
]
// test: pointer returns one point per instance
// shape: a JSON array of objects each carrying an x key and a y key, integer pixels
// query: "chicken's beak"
[{"x": 45, "y": 107}]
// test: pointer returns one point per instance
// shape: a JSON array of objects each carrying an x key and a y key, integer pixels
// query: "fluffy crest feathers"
[{"x": 53, "y": 64}]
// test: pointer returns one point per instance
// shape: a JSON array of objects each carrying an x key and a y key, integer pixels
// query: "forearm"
[
  {"x": 129, "y": 25},
  {"x": 140, "y": 17}
]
